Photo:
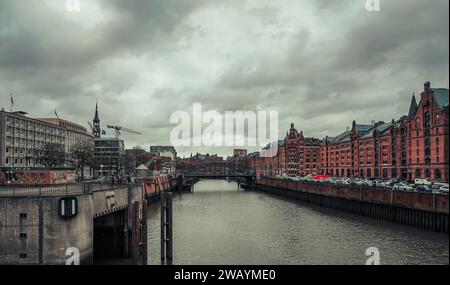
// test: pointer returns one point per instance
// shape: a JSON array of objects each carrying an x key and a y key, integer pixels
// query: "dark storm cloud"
[{"x": 321, "y": 63}]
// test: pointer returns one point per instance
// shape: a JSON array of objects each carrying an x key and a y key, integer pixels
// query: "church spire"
[
  {"x": 412, "y": 107},
  {"x": 96, "y": 121},
  {"x": 96, "y": 112}
]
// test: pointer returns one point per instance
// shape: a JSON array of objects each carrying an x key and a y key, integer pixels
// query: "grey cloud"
[{"x": 321, "y": 64}]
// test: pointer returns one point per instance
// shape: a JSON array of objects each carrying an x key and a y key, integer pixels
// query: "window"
[
  {"x": 418, "y": 173},
  {"x": 437, "y": 174}
]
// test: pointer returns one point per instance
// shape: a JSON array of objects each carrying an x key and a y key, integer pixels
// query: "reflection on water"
[{"x": 220, "y": 224}]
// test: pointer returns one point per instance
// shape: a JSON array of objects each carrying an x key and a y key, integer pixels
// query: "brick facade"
[{"x": 414, "y": 146}]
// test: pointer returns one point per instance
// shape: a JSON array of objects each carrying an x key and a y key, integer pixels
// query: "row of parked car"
[{"x": 419, "y": 185}]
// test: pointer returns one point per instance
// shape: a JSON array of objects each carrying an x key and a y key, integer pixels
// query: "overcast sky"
[{"x": 320, "y": 64}]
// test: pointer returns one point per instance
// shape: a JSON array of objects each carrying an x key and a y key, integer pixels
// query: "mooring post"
[
  {"x": 169, "y": 240},
  {"x": 126, "y": 249},
  {"x": 135, "y": 233},
  {"x": 166, "y": 229},
  {"x": 163, "y": 233},
  {"x": 144, "y": 239}
]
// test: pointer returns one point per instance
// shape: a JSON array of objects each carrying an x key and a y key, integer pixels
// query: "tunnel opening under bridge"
[{"x": 112, "y": 237}]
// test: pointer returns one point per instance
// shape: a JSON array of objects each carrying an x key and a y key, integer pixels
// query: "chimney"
[
  {"x": 372, "y": 122},
  {"x": 427, "y": 86}
]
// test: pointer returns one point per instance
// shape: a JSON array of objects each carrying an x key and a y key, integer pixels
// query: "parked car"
[
  {"x": 392, "y": 182},
  {"x": 435, "y": 187},
  {"x": 380, "y": 184},
  {"x": 397, "y": 187},
  {"x": 443, "y": 190},
  {"x": 422, "y": 182},
  {"x": 423, "y": 188},
  {"x": 402, "y": 187},
  {"x": 408, "y": 188}
]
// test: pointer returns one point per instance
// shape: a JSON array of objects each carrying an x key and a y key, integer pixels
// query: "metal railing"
[
  {"x": 42, "y": 190},
  {"x": 87, "y": 187}
]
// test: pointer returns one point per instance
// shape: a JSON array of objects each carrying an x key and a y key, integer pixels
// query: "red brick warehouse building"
[
  {"x": 414, "y": 146},
  {"x": 296, "y": 156}
]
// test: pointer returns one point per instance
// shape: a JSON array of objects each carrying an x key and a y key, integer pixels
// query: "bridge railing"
[
  {"x": 216, "y": 173},
  {"x": 43, "y": 190},
  {"x": 86, "y": 187}
]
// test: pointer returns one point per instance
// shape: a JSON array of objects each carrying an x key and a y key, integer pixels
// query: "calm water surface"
[{"x": 220, "y": 224}]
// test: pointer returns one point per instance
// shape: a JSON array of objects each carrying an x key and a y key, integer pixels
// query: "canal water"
[{"x": 221, "y": 224}]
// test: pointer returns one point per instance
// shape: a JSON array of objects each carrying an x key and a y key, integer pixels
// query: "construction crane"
[{"x": 119, "y": 129}]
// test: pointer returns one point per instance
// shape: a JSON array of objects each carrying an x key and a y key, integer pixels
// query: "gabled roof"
[
  {"x": 441, "y": 97},
  {"x": 312, "y": 141},
  {"x": 142, "y": 167},
  {"x": 363, "y": 128},
  {"x": 345, "y": 136},
  {"x": 382, "y": 129}
]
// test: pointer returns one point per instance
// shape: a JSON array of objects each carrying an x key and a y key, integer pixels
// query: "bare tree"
[
  {"x": 82, "y": 155},
  {"x": 134, "y": 158},
  {"x": 52, "y": 155}
]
